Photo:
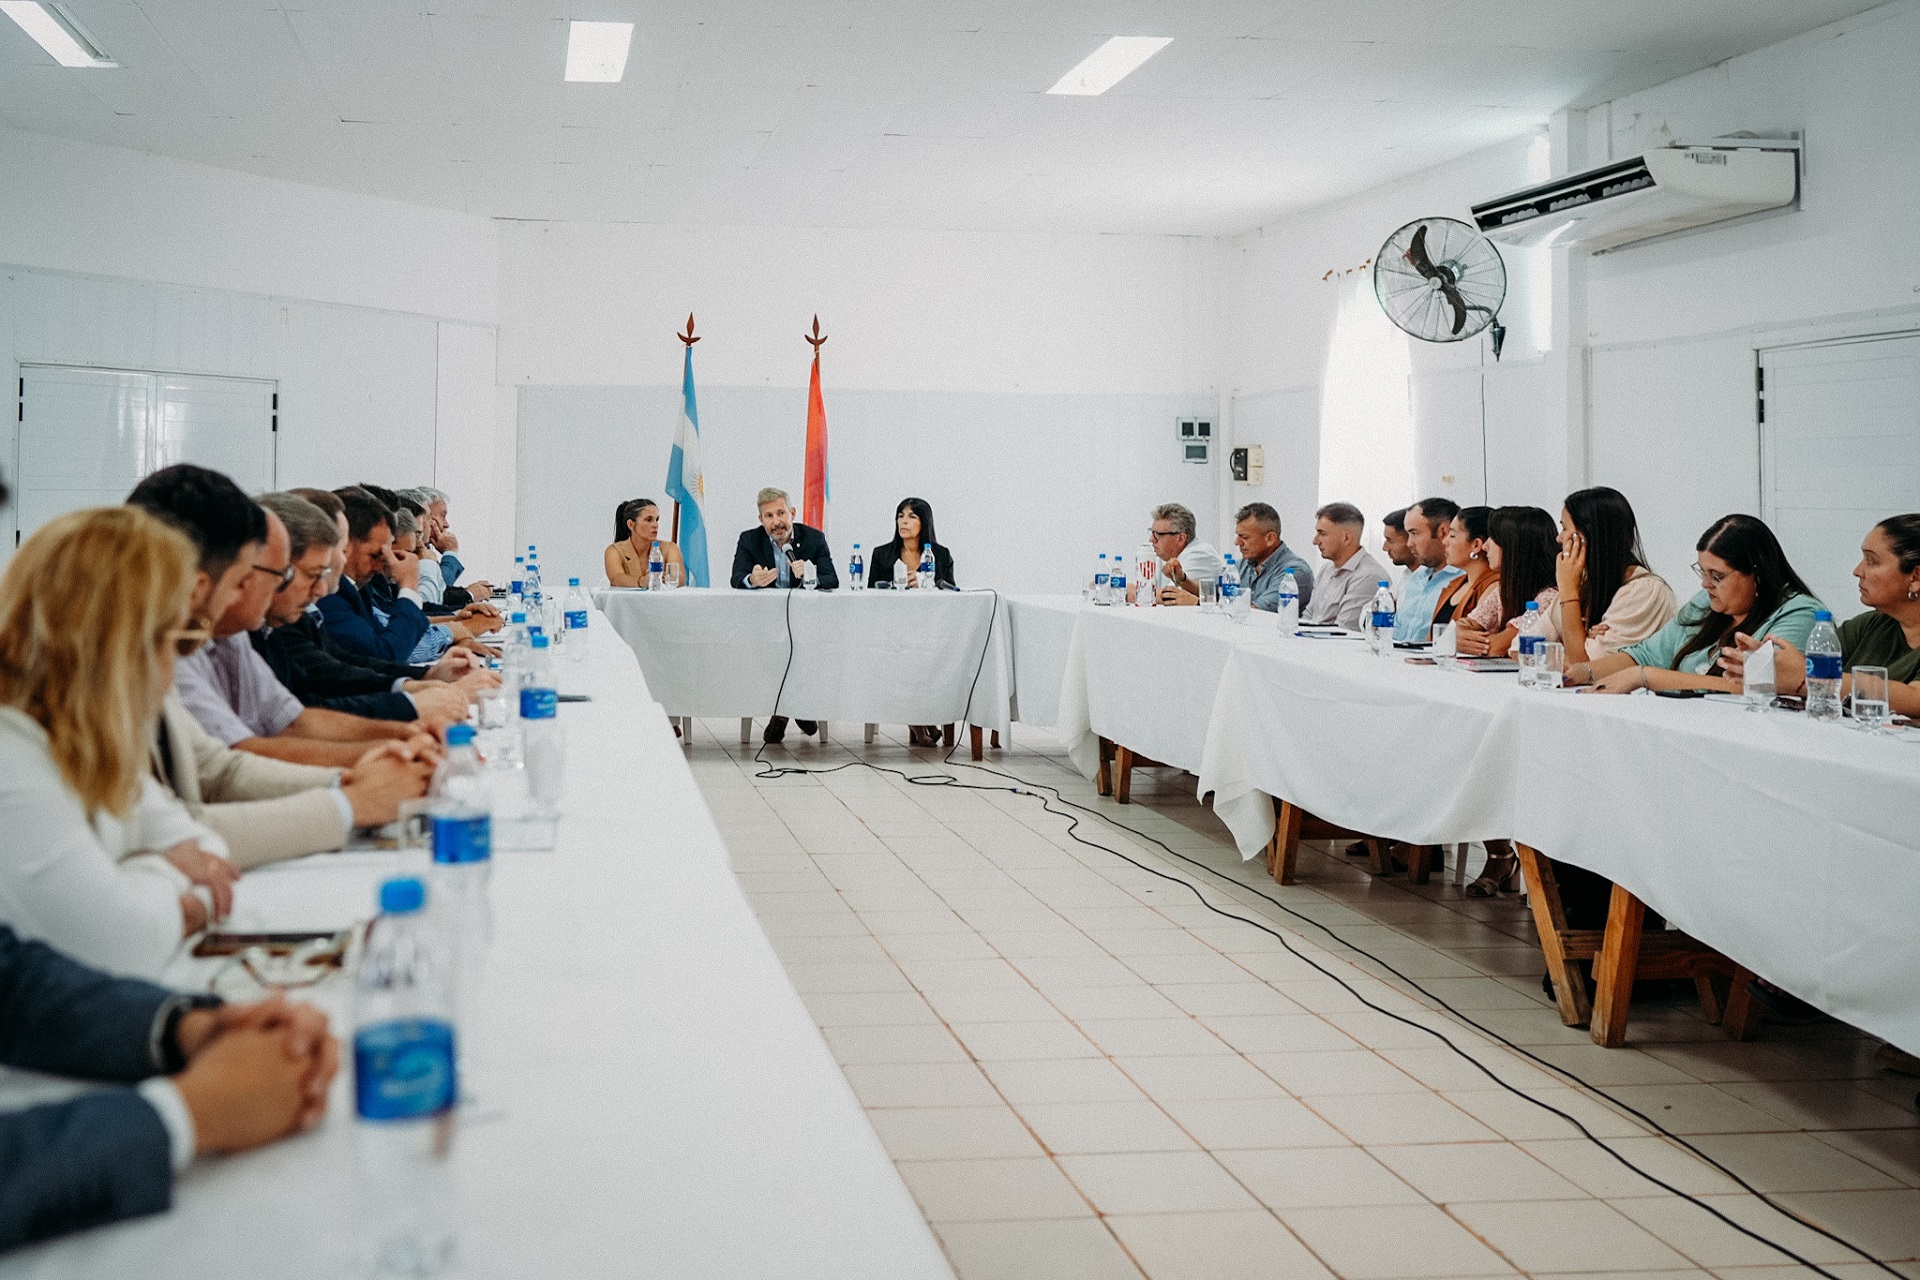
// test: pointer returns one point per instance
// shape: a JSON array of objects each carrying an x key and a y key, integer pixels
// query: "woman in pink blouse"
[
  {"x": 1608, "y": 597},
  {"x": 1521, "y": 550}
]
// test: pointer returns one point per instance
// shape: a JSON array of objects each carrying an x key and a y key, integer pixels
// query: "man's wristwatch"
[{"x": 166, "y": 1049}]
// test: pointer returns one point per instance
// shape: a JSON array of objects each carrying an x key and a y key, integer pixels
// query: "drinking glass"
[
  {"x": 1870, "y": 711},
  {"x": 1757, "y": 678},
  {"x": 812, "y": 578},
  {"x": 1208, "y": 590},
  {"x": 1552, "y": 667},
  {"x": 671, "y": 573}
]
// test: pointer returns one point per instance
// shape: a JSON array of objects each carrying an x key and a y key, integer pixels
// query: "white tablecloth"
[
  {"x": 1411, "y": 753},
  {"x": 1041, "y": 632},
  {"x": 654, "y": 1098},
  {"x": 1793, "y": 847},
  {"x": 885, "y": 657}
]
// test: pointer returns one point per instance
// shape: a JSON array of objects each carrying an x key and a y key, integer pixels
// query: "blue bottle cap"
[
  {"x": 1383, "y": 582},
  {"x": 573, "y": 582},
  {"x": 1533, "y": 606},
  {"x": 1822, "y": 615},
  {"x": 398, "y": 897},
  {"x": 540, "y": 640},
  {"x": 460, "y": 735}
]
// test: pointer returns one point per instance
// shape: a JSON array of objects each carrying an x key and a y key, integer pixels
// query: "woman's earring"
[{"x": 1913, "y": 595}]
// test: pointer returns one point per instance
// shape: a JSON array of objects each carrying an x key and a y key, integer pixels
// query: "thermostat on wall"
[{"x": 1196, "y": 439}]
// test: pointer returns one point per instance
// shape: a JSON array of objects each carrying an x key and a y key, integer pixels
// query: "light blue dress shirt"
[{"x": 1419, "y": 598}]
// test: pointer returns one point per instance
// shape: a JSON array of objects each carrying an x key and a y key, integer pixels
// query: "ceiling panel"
[{"x": 862, "y": 112}]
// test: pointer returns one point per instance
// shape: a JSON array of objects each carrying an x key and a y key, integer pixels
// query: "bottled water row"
[{"x": 924, "y": 579}]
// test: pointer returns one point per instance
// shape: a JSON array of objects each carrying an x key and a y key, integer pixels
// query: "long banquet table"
[
  {"x": 653, "y": 1098},
  {"x": 1791, "y": 847},
  {"x": 876, "y": 656}
]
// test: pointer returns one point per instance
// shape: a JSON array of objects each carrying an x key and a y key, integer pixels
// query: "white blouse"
[{"x": 97, "y": 890}]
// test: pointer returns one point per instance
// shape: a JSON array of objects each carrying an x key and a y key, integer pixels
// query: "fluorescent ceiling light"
[
  {"x": 54, "y": 30},
  {"x": 597, "y": 51},
  {"x": 1111, "y": 63}
]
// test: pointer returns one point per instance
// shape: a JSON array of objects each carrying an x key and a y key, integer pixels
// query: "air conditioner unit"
[{"x": 1666, "y": 190}]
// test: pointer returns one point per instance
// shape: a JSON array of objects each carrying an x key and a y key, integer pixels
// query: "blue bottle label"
[
  {"x": 518, "y": 587},
  {"x": 576, "y": 619},
  {"x": 1531, "y": 645},
  {"x": 1228, "y": 590},
  {"x": 463, "y": 839},
  {"x": 1823, "y": 666},
  {"x": 539, "y": 704},
  {"x": 403, "y": 1069},
  {"x": 1383, "y": 620},
  {"x": 1101, "y": 579}
]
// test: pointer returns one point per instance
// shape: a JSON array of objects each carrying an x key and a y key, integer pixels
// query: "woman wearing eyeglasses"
[
  {"x": 1887, "y": 636},
  {"x": 99, "y": 860},
  {"x": 1747, "y": 587}
]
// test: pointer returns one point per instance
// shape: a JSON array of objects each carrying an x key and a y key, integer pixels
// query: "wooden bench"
[{"x": 1292, "y": 824}]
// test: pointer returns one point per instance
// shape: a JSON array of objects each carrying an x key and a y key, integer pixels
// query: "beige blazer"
[{"x": 266, "y": 810}]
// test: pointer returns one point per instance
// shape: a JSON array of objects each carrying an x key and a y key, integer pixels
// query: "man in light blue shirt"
[
  {"x": 1427, "y": 522},
  {"x": 1256, "y": 531}
]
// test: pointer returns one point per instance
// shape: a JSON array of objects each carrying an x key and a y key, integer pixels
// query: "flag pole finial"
[
  {"x": 818, "y": 338},
  {"x": 688, "y": 337}
]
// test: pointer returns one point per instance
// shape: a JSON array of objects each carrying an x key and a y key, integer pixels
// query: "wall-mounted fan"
[{"x": 1441, "y": 281}]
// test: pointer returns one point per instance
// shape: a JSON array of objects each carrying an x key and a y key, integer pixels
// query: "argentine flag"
[{"x": 687, "y": 483}]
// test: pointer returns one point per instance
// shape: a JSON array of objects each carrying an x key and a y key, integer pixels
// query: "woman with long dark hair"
[
  {"x": 1747, "y": 588},
  {"x": 1520, "y": 548},
  {"x": 1887, "y": 635},
  {"x": 1608, "y": 598},
  {"x": 912, "y": 531},
  {"x": 636, "y": 528}
]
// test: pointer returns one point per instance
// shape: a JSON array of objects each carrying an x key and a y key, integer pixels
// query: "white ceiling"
[{"x": 862, "y": 113}]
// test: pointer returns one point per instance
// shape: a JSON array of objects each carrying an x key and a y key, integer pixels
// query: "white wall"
[
  {"x": 1027, "y": 385},
  {"x": 376, "y": 319}
]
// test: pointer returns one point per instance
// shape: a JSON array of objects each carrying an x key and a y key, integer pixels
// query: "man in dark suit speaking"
[{"x": 778, "y": 554}]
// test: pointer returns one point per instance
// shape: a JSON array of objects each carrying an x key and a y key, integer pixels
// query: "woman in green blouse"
[
  {"x": 1747, "y": 588},
  {"x": 1888, "y": 635}
]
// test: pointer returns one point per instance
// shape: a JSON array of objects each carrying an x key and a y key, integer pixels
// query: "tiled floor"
[{"x": 1082, "y": 1072}]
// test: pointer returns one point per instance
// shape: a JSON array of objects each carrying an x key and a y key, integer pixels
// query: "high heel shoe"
[{"x": 1501, "y": 875}]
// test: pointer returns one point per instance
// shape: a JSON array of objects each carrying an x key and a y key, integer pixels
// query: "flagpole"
[{"x": 689, "y": 340}]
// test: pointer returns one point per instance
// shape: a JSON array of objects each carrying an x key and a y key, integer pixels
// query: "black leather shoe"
[
  {"x": 776, "y": 730},
  {"x": 808, "y": 727}
]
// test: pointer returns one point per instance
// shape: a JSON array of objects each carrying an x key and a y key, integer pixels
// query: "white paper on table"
[
  {"x": 1758, "y": 677},
  {"x": 324, "y": 892}
]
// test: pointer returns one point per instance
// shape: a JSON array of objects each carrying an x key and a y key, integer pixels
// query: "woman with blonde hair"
[{"x": 93, "y": 612}]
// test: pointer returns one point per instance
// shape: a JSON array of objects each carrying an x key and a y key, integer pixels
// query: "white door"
[
  {"x": 1839, "y": 452},
  {"x": 87, "y": 436}
]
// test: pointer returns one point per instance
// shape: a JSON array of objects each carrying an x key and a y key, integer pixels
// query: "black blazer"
[
  {"x": 322, "y": 675},
  {"x": 101, "y": 1156},
  {"x": 809, "y": 544},
  {"x": 880, "y": 569}
]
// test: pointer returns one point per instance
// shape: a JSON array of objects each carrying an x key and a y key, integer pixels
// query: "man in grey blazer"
[{"x": 202, "y": 1077}]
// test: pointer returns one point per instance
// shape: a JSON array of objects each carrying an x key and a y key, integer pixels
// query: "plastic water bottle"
[
  {"x": 534, "y": 595},
  {"x": 1823, "y": 669},
  {"x": 1380, "y": 621},
  {"x": 1146, "y": 570},
  {"x": 857, "y": 570},
  {"x": 578, "y": 614},
  {"x": 1117, "y": 579},
  {"x": 1289, "y": 603},
  {"x": 1234, "y": 600},
  {"x": 517, "y": 585},
  {"x": 656, "y": 567},
  {"x": 1102, "y": 582},
  {"x": 927, "y": 570},
  {"x": 899, "y": 574},
  {"x": 405, "y": 1084},
  {"x": 460, "y": 809},
  {"x": 1530, "y": 643},
  {"x": 543, "y": 743}
]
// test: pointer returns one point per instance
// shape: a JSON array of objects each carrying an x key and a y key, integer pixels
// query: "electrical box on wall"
[
  {"x": 1196, "y": 440},
  {"x": 1248, "y": 464}
]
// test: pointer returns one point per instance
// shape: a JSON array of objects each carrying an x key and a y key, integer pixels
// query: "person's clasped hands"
[{"x": 254, "y": 1072}]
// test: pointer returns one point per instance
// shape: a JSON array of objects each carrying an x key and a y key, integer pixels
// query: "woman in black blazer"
[{"x": 913, "y": 529}]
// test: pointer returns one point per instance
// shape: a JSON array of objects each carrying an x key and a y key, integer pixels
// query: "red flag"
[{"x": 813, "y": 502}]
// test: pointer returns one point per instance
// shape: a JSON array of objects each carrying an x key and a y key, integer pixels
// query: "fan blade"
[
  {"x": 1458, "y": 304},
  {"x": 1416, "y": 254}
]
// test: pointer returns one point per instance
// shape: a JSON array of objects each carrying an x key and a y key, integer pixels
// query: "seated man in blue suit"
[
  {"x": 205, "y": 1077},
  {"x": 778, "y": 554},
  {"x": 349, "y": 615}
]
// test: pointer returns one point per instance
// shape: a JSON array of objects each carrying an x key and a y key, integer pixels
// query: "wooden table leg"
[
  {"x": 1379, "y": 856},
  {"x": 1741, "y": 1017},
  {"x": 974, "y": 736},
  {"x": 1614, "y": 970},
  {"x": 1286, "y": 842},
  {"x": 1420, "y": 863},
  {"x": 946, "y": 736},
  {"x": 996, "y": 738},
  {"x": 1103, "y": 779},
  {"x": 1123, "y": 774},
  {"x": 1550, "y": 921}
]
